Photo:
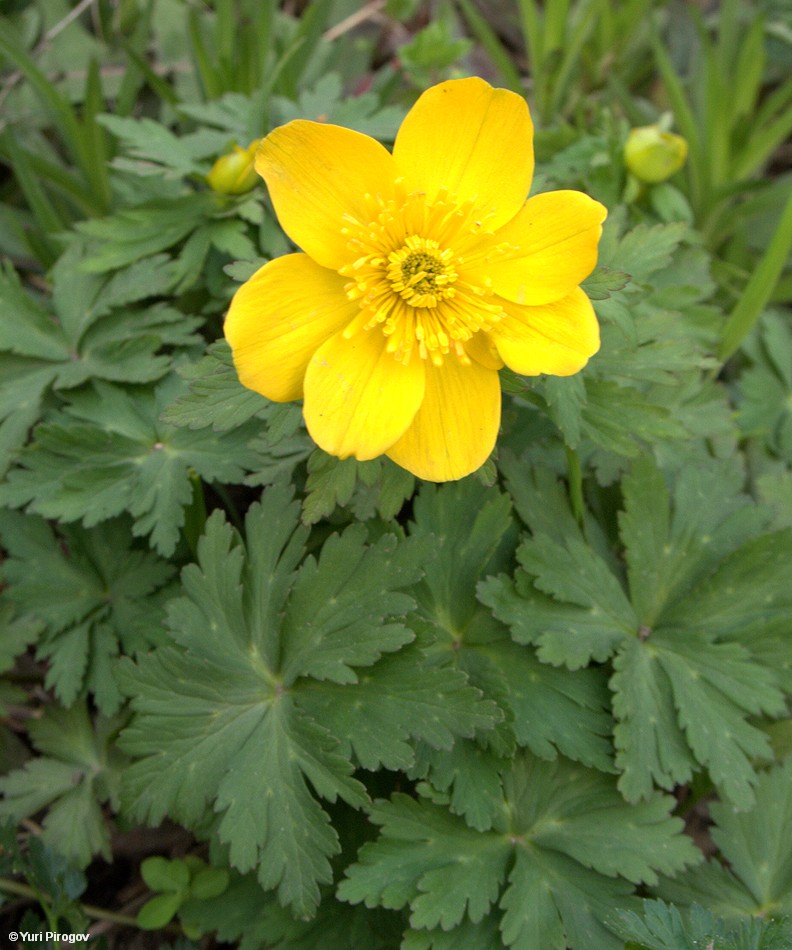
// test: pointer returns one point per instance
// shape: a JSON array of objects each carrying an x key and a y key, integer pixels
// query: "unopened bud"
[
  {"x": 653, "y": 155},
  {"x": 234, "y": 174}
]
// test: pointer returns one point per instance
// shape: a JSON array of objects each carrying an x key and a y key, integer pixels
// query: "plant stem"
[{"x": 95, "y": 913}]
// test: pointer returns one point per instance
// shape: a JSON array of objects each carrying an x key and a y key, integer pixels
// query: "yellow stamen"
[{"x": 407, "y": 269}]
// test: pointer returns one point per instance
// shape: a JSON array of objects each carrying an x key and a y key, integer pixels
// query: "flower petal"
[
  {"x": 555, "y": 238},
  {"x": 472, "y": 140},
  {"x": 557, "y": 338},
  {"x": 481, "y": 348},
  {"x": 317, "y": 174},
  {"x": 279, "y": 318},
  {"x": 455, "y": 429},
  {"x": 358, "y": 398}
]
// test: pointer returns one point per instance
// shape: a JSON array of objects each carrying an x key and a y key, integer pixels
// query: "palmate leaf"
[
  {"x": 662, "y": 927},
  {"x": 757, "y": 878},
  {"x": 17, "y": 632},
  {"x": 705, "y": 608},
  {"x": 556, "y": 862},
  {"x": 398, "y": 700},
  {"x": 215, "y": 398},
  {"x": 378, "y": 486},
  {"x": 235, "y": 716},
  {"x": 548, "y": 711},
  {"x": 88, "y": 330},
  {"x": 654, "y": 335},
  {"x": 188, "y": 224},
  {"x": 765, "y": 388},
  {"x": 108, "y": 453},
  {"x": 89, "y": 595},
  {"x": 326, "y": 102},
  {"x": 85, "y": 331},
  {"x": 78, "y": 770},
  {"x": 158, "y": 149},
  {"x": 136, "y": 233},
  {"x": 248, "y": 917}
]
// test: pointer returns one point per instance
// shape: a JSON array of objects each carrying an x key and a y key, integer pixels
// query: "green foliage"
[
  {"x": 661, "y": 927},
  {"x": 554, "y": 861},
  {"x": 756, "y": 881},
  {"x": 86, "y": 331},
  {"x": 178, "y": 882},
  {"x": 79, "y": 769},
  {"x": 270, "y": 647},
  {"x": 108, "y": 452},
  {"x": 85, "y": 597},
  {"x": 687, "y": 628},
  {"x": 53, "y": 880},
  {"x": 387, "y": 713}
]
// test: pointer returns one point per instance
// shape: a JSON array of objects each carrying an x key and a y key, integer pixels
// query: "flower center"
[
  {"x": 415, "y": 272},
  {"x": 421, "y": 273}
]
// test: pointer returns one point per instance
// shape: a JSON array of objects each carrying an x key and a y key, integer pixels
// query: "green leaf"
[
  {"x": 50, "y": 873},
  {"x": 77, "y": 772},
  {"x": 215, "y": 397},
  {"x": 84, "y": 334},
  {"x": 667, "y": 554},
  {"x": 154, "y": 145},
  {"x": 86, "y": 331},
  {"x": 566, "y": 397},
  {"x": 471, "y": 529},
  {"x": 159, "y": 911},
  {"x": 562, "y": 833},
  {"x": 208, "y": 883},
  {"x": 483, "y": 936},
  {"x": 16, "y": 634},
  {"x": 401, "y": 698},
  {"x": 604, "y": 282},
  {"x": 330, "y": 483},
  {"x": 544, "y": 708},
  {"x": 368, "y": 488},
  {"x": 139, "y": 232},
  {"x": 698, "y": 648},
  {"x": 644, "y": 250},
  {"x": 89, "y": 593},
  {"x": 245, "y": 913},
  {"x": 429, "y": 859},
  {"x": 587, "y": 615},
  {"x": 756, "y": 880},
  {"x": 160, "y": 874},
  {"x": 553, "y": 709},
  {"x": 765, "y": 388},
  {"x": 662, "y": 927},
  {"x": 650, "y": 740},
  {"x": 467, "y": 778},
  {"x": 108, "y": 453},
  {"x": 325, "y": 101},
  {"x": 225, "y": 717}
]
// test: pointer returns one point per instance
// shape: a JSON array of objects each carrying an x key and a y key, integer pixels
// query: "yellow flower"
[
  {"x": 423, "y": 272},
  {"x": 234, "y": 174}
]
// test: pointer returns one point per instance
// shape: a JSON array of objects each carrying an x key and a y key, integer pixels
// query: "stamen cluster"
[{"x": 411, "y": 275}]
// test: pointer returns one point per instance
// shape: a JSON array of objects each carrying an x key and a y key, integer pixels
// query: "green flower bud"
[
  {"x": 653, "y": 155},
  {"x": 234, "y": 174}
]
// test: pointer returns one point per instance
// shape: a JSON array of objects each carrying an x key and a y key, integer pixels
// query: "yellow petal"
[
  {"x": 279, "y": 318},
  {"x": 455, "y": 429},
  {"x": 317, "y": 174},
  {"x": 358, "y": 399},
  {"x": 557, "y": 338},
  {"x": 481, "y": 348},
  {"x": 555, "y": 238},
  {"x": 474, "y": 141}
]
